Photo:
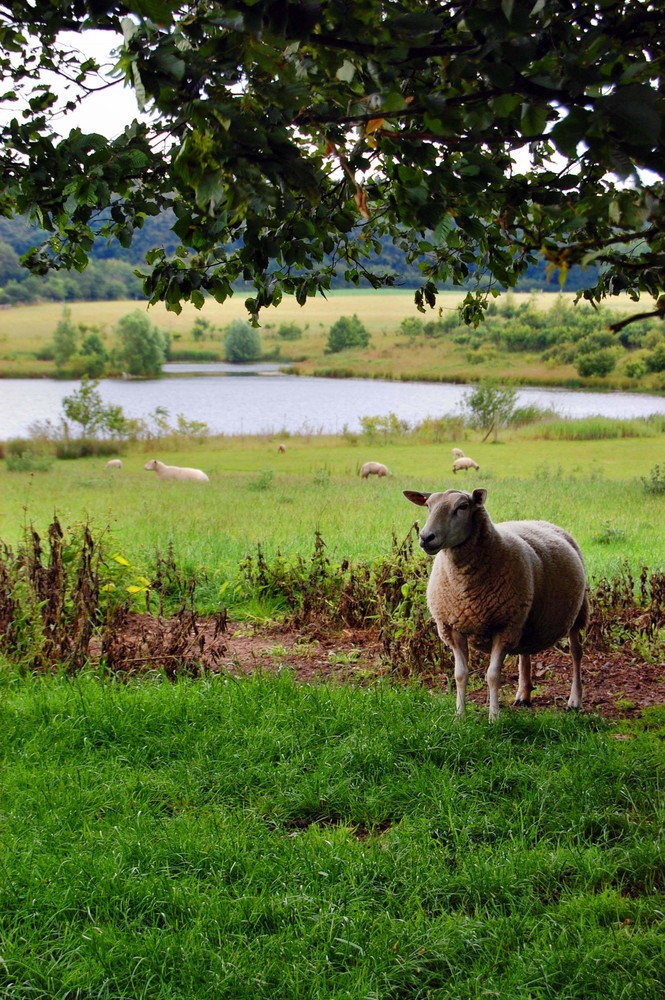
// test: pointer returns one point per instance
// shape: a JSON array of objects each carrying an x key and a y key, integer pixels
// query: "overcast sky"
[{"x": 109, "y": 110}]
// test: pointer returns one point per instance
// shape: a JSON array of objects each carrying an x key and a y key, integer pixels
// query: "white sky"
[{"x": 109, "y": 110}]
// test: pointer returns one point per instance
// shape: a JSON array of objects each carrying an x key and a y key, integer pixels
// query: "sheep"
[
  {"x": 114, "y": 463},
  {"x": 515, "y": 587},
  {"x": 464, "y": 463},
  {"x": 175, "y": 471},
  {"x": 281, "y": 449},
  {"x": 374, "y": 469},
  {"x": 457, "y": 453}
]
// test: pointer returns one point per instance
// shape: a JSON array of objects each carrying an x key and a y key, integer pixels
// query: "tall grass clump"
[{"x": 590, "y": 429}]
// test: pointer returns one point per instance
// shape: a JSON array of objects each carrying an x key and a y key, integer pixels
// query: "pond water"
[{"x": 257, "y": 400}]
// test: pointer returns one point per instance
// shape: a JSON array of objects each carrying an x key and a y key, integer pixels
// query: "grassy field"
[
  {"x": 260, "y": 839},
  {"x": 593, "y": 488},
  {"x": 26, "y": 330}
]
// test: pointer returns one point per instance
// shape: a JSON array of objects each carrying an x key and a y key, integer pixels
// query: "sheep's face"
[
  {"x": 151, "y": 466},
  {"x": 450, "y": 520}
]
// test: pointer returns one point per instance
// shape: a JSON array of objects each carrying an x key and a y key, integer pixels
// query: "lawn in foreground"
[{"x": 258, "y": 838}]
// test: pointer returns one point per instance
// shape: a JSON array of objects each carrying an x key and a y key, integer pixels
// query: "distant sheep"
[
  {"x": 464, "y": 463},
  {"x": 114, "y": 463},
  {"x": 281, "y": 449},
  {"x": 457, "y": 453},
  {"x": 175, "y": 471},
  {"x": 511, "y": 588},
  {"x": 374, "y": 469}
]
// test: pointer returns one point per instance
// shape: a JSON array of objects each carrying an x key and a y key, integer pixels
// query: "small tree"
[
  {"x": 86, "y": 408},
  {"x": 242, "y": 342},
  {"x": 347, "y": 332},
  {"x": 65, "y": 340},
  {"x": 491, "y": 406},
  {"x": 142, "y": 346}
]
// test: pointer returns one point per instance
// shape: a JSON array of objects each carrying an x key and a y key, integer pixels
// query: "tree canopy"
[{"x": 289, "y": 137}]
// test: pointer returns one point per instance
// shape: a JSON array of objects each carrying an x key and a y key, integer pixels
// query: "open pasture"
[{"x": 259, "y": 496}]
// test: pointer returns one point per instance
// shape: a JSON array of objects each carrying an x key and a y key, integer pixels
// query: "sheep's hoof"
[
  {"x": 573, "y": 708},
  {"x": 522, "y": 703}
]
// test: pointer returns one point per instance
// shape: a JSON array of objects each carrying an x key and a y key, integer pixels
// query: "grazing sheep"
[
  {"x": 114, "y": 463},
  {"x": 175, "y": 471},
  {"x": 464, "y": 463},
  {"x": 457, "y": 453},
  {"x": 513, "y": 587},
  {"x": 374, "y": 469},
  {"x": 281, "y": 449}
]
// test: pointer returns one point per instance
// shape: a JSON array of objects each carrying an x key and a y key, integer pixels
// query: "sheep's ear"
[
  {"x": 418, "y": 498},
  {"x": 479, "y": 497}
]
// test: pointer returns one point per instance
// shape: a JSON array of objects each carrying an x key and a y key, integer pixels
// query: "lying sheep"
[
  {"x": 457, "y": 453},
  {"x": 114, "y": 463},
  {"x": 374, "y": 469},
  {"x": 464, "y": 463},
  {"x": 175, "y": 471},
  {"x": 514, "y": 587}
]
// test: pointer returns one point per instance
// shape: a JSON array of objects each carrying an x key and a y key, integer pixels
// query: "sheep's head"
[
  {"x": 451, "y": 516},
  {"x": 151, "y": 466}
]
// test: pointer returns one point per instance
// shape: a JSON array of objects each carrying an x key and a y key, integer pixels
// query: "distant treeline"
[{"x": 111, "y": 275}]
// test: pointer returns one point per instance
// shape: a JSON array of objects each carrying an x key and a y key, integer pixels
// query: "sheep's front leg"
[
  {"x": 460, "y": 647},
  {"x": 493, "y": 676},
  {"x": 524, "y": 686}
]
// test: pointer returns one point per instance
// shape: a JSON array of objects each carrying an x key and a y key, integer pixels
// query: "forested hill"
[{"x": 110, "y": 274}]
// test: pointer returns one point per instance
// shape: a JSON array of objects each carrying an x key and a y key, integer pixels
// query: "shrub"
[
  {"x": 289, "y": 331},
  {"x": 347, "y": 332},
  {"x": 600, "y": 362},
  {"x": 242, "y": 342}
]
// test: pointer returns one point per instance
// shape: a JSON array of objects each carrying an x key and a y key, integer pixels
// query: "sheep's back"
[
  {"x": 558, "y": 576},
  {"x": 526, "y": 577}
]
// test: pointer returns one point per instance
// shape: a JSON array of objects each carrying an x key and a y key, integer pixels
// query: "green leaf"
[{"x": 534, "y": 119}]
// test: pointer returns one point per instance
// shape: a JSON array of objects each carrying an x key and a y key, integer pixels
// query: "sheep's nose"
[{"x": 426, "y": 539}]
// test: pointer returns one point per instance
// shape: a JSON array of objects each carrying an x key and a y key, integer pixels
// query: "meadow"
[
  {"x": 26, "y": 331},
  {"x": 229, "y": 837}
]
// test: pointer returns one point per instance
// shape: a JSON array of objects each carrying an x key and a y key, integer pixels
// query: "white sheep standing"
[
  {"x": 457, "y": 453},
  {"x": 175, "y": 471},
  {"x": 516, "y": 587},
  {"x": 281, "y": 449},
  {"x": 114, "y": 463},
  {"x": 464, "y": 463},
  {"x": 374, "y": 469}
]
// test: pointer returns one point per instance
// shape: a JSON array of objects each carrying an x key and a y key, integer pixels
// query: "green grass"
[
  {"x": 593, "y": 488},
  {"x": 257, "y": 839}
]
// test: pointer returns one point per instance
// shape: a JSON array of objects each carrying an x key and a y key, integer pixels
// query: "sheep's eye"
[{"x": 462, "y": 506}]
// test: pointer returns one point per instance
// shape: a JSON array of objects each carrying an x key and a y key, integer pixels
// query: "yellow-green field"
[{"x": 26, "y": 330}]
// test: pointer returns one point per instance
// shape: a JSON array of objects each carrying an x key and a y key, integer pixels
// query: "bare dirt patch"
[{"x": 616, "y": 684}]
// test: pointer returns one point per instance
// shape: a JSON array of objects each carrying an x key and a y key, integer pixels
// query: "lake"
[{"x": 259, "y": 400}]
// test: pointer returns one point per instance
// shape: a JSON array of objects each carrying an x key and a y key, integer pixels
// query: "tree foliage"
[
  {"x": 291, "y": 138},
  {"x": 142, "y": 347},
  {"x": 241, "y": 342},
  {"x": 347, "y": 331}
]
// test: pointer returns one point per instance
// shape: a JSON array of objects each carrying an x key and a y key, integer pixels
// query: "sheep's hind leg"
[
  {"x": 575, "y": 699},
  {"x": 524, "y": 686}
]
